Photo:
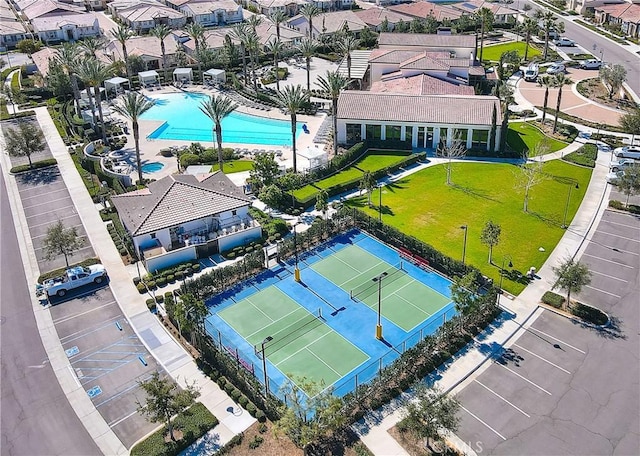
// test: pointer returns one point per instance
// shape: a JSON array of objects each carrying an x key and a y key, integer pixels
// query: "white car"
[
  {"x": 613, "y": 178},
  {"x": 556, "y": 68},
  {"x": 564, "y": 41},
  {"x": 619, "y": 165},
  {"x": 590, "y": 64},
  {"x": 627, "y": 152},
  {"x": 531, "y": 73}
]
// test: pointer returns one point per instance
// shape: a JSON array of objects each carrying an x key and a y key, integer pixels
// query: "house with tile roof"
[
  {"x": 270, "y": 7},
  {"x": 327, "y": 24},
  {"x": 627, "y": 15},
  {"x": 66, "y": 27},
  {"x": 12, "y": 30},
  {"x": 422, "y": 10},
  {"x": 183, "y": 217},
  {"x": 146, "y": 47},
  {"x": 209, "y": 13},
  {"x": 142, "y": 16},
  {"x": 375, "y": 18},
  {"x": 462, "y": 46},
  {"x": 425, "y": 121}
]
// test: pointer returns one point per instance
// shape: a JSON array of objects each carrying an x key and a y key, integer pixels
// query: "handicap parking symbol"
[
  {"x": 72, "y": 351},
  {"x": 95, "y": 391}
]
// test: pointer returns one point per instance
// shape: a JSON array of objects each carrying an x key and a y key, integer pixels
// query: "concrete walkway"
[{"x": 166, "y": 350}]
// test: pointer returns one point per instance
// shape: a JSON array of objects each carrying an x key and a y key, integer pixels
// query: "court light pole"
[
  {"x": 296, "y": 270},
  {"x": 566, "y": 206},
  {"x": 380, "y": 203},
  {"x": 379, "y": 325},
  {"x": 504, "y": 258},
  {"x": 264, "y": 365},
  {"x": 464, "y": 244}
]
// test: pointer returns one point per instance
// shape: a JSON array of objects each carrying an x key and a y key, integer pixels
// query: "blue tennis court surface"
[{"x": 324, "y": 326}]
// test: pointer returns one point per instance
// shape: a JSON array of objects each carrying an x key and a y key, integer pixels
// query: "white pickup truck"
[{"x": 74, "y": 277}]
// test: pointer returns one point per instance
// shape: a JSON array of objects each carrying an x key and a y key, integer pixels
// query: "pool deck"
[{"x": 150, "y": 148}]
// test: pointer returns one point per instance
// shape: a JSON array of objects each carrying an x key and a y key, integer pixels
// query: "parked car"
[
  {"x": 556, "y": 68},
  {"x": 531, "y": 73},
  {"x": 619, "y": 165},
  {"x": 613, "y": 178},
  {"x": 590, "y": 64},
  {"x": 627, "y": 152},
  {"x": 564, "y": 41}
]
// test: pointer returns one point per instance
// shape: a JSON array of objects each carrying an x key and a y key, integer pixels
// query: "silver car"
[
  {"x": 556, "y": 68},
  {"x": 627, "y": 152}
]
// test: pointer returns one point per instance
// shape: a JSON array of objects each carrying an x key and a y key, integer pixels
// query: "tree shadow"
[
  {"x": 474, "y": 192},
  {"x": 38, "y": 177},
  {"x": 547, "y": 220},
  {"x": 613, "y": 330}
]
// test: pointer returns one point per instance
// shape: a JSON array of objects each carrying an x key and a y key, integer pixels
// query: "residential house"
[
  {"x": 42, "y": 59},
  {"x": 66, "y": 27},
  {"x": 267, "y": 32},
  {"x": 182, "y": 217},
  {"x": 421, "y": 84},
  {"x": 425, "y": 121},
  {"x": 460, "y": 46},
  {"x": 328, "y": 24},
  {"x": 385, "y": 2},
  {"x": 422, "y": 10},
  {"x": 213, "y": 38},
  {"x": 210, "y": 13},
  {"x": 626, "y": 15},
  {"x": 12, "y": 30},
  {"x": 501, "y": 14},
  {"x": 375, "y": 18},
  {"x": 146, "y": 47},
  {"x": 142, "y": 16},
  {"x": 269, "y": 7}
]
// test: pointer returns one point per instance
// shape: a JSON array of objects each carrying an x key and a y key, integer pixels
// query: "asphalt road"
[{"x": 36, "y": 418}]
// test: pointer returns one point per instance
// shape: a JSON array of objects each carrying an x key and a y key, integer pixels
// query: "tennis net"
[
  {"x": 290, "y": 333},
  {"x": 368, "y": 288}
]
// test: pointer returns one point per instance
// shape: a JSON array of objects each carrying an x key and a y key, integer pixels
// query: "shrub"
[
  {"x": 171, "y": 278},
  {"x": 256, "y": 442},
  {"x": 36, "y": 165},
  {"x": 161, "y": 282},
  {"x": 160, "y": 299},
  {"x": 252, "y": 409},
  {"x": 222, "y": 382},
  {"x": 179, "y": 275},
  {"x": 229, "y": 388},
  {"x": 235, "y": 394},
  {"x": 168, "y": 295},
  {"x": 553, "y": 299},
  {"x": 136, "y": 281},
  {"x": 188, "y": 272},
  {"x": 262, "y": 428},
  {"x": 634, "y": 209},
  {"x": 196, "y": 267},
  {"x": 141, "y": 288},
  {"x": 151, "y": 284},
  {"x": 243, "y": 401},
  {"x": 151, "y": 305},
  {"x": 230, "y": 256},
  {"x": 123, "y": 252},
  {"x": 260, "y": 416},
  {"x": 189, "y": 159},
  {"x": 590, "y": 314}
]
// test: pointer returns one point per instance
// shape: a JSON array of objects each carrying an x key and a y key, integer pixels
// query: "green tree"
[
  {"x": 293, "y": 99},
  {"x": 61, "y": 241},
  {"x": 571, "y": 275},
  {"x": 629, "y": 182},
  {"x": 345, "y": 46},
  {"x": 161, "y": 31},
  {"x": 275, "y": 47},
  {"x": 28, "y": 46},
  {"x": 530, "y": 28},
  {"x": 132, "y": 105},
  {"x": 122, "y": 34},
  {"x": 546, "y": 82},
  {"x": 216, "y": 108},
  {"x": 368, "y": 38},
  {"x": 307, "y": 48},
  {"x": 93, "y": 73},
  {"x": 265, "y": 171},
  {"x": 504, "y": 92},
  {"x": 254, "y": 47},
  {"x": 332, "y": 84},
  {"x": 271, "y": 195},
  {"x": 58, "y": 80},
  {"x": 630, "y": 122},
  {"x": 239, "y": 33},
  {"x": 307, "y": 418},
  {"x": 485, "y": 19},
  {"x": 465, "y": 295},
  {"x": 92, "y": 45},
  {"x": 508, "y": 64},
  {"x": 429, "y": 413},
  {"x": 490, "y": 236},
  {"x": 613, "y": 76},
  {"x": 67, "y": 56},
  {"x": 196, "y": 31},
  {"x": 309, "y": 11},
  {"x": 322, "y": 201},
  {"x": 190, "y": 312},
  {"x": 548, "y": 22},
  {"x": 278, "y": 18},
  {"x": 25, "y": 140},
  {"x": 560, "y": 81},
  {"x": 368, "y": 184},
  {"x": 165, "y": 399}
]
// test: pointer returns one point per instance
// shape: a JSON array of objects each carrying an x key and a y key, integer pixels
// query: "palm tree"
[
  {"x": 196, "y": 32},
  {"x": 132, "y": 105},
  {"x": 332, "y": 85},
  {"x": 93, "y": 72},
  {"x": 278, "y": 18},
  {"x": 67, "y": 56},
  {"x": 549, "y": 22},
  {"x": 239, "y": 33},
  {"x": 122, "y": 34},
  {"x": 253, "y": 46},
  {"x": 505, "y": 94},
  {"x": 309, "y": 11},
  {"x": 275, "y": 47},
  {"x": 92, "y": 45},
  {"x": 292, "y": 99},
  {"x": 546, "y": 82},
  {"x": 561, "y": 80},
  {"x": 217, "y": 108},
  {"x": 485, "y": 18},
  {"x": 308, "y": 48},
  {"x": 161, "y": 31},
  {"x": 530, "y": 28},
  {"x": 347, "y": 44}
]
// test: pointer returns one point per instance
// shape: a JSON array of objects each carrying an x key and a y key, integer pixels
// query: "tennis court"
[{"x": 324, "y": 327}]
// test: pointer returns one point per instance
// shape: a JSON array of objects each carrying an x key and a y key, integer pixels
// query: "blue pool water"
[
  {"x": 184, "y": 121},
  {"x": 152, "y": 167}
]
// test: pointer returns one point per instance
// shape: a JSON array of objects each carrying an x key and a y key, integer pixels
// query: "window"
[
  {"x": 408, "y": 134},
  {"x": 480, "y": 138},
  {"x": 460, "y": 134},
  {"x": 393, "y": 132},
  {"x": 443, "y": 137},
  {"x": 234, "y": 212},
  {"x": 374, "y": 131},
  {"x": 354, "y": 133},
  {"x": 153, "y": 235}
]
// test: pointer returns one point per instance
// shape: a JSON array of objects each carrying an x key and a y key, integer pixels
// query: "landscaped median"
[
  {"x": 523, "y": 136},
  {"x": 584, "y": 312}
]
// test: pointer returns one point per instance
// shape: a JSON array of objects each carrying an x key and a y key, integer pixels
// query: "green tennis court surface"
[
  {"x": 302, "y": 344},
  {"x": 405, "y": 301}
]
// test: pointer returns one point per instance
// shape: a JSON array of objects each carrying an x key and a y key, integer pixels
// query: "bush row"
[
  {"x": 553, "y": 299},
  {"x": 634, "y": 209},
  {"x": 170, "y": 275},
  {"x": 35, "y": 165},
  {"x": 586, "y": 156}
]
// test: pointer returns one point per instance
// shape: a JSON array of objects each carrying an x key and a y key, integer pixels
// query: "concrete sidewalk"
[
  {"x": 166, "y": 350},
  {"x": 519, "y": 313}
]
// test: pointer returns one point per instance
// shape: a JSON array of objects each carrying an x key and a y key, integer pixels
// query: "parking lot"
[
  {"x": 563, "y": 387},
  {"x": 106, "y": 356}
]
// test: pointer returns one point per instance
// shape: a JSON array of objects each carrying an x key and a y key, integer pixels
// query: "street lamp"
[
  {"x": 464, "y": 244},
  {"x": 504, "y": 258},
  {"x": 296, "y": 270},
  {"x": 566, "y": 207},
  {"x": 264, "y": 365},
  {"x": 379, "y": 325}
]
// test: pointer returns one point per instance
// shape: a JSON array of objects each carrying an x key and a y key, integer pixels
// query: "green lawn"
[
  {"x": 494, "y": 52},
  {"x": 422, "y": 205},
  {"x": 373, "y": 161},
  {"x": 235, "y": 166},
  {"x": 523, "y": 135}
]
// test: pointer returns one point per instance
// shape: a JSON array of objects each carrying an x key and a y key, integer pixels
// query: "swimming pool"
[
  {"x": 152, "y": 167},
  {"x": 184, "y": 121}
]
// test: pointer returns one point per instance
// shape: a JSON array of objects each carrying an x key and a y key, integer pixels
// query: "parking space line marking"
[
  {"x": 555, "y": 338},
  {"x": 49, "y": 202},
  {"x": 51, "y": 222},
  {"x": 525, "y": 379},
  {"x": 618, "y": 223},
  {"x": 511, "y": 404},
  {"x": 602, "y": 291},
  {"x": 617, "y": 235},
  {"x": 45, "y": 234},
  {"x": 492, "y": 429},
  {"x": 543, "y": 359},
  {"x": 71, "y": 317},
  {"x": 616, "y": 249},
  {"x": 83, "y": 332},
  {"x": 124, "y": 391},
  {"x": 608, "y": 261},
  {"x": 609, "y": 276},
  {"x": 117, "y": 422},
  {"x": 40, "y": 214}
]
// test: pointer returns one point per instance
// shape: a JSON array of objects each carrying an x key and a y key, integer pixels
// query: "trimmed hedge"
[
  {"x": 193, "y": 422},
  {"x": 58, "y": 272},
  {"x": 553, "y": 299},
  {"x": 586, "y": 156},
  {"x": 35, "y": 165},
  {"x": 634, "y": 209},
  {"x": 590, "y": 314}
]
